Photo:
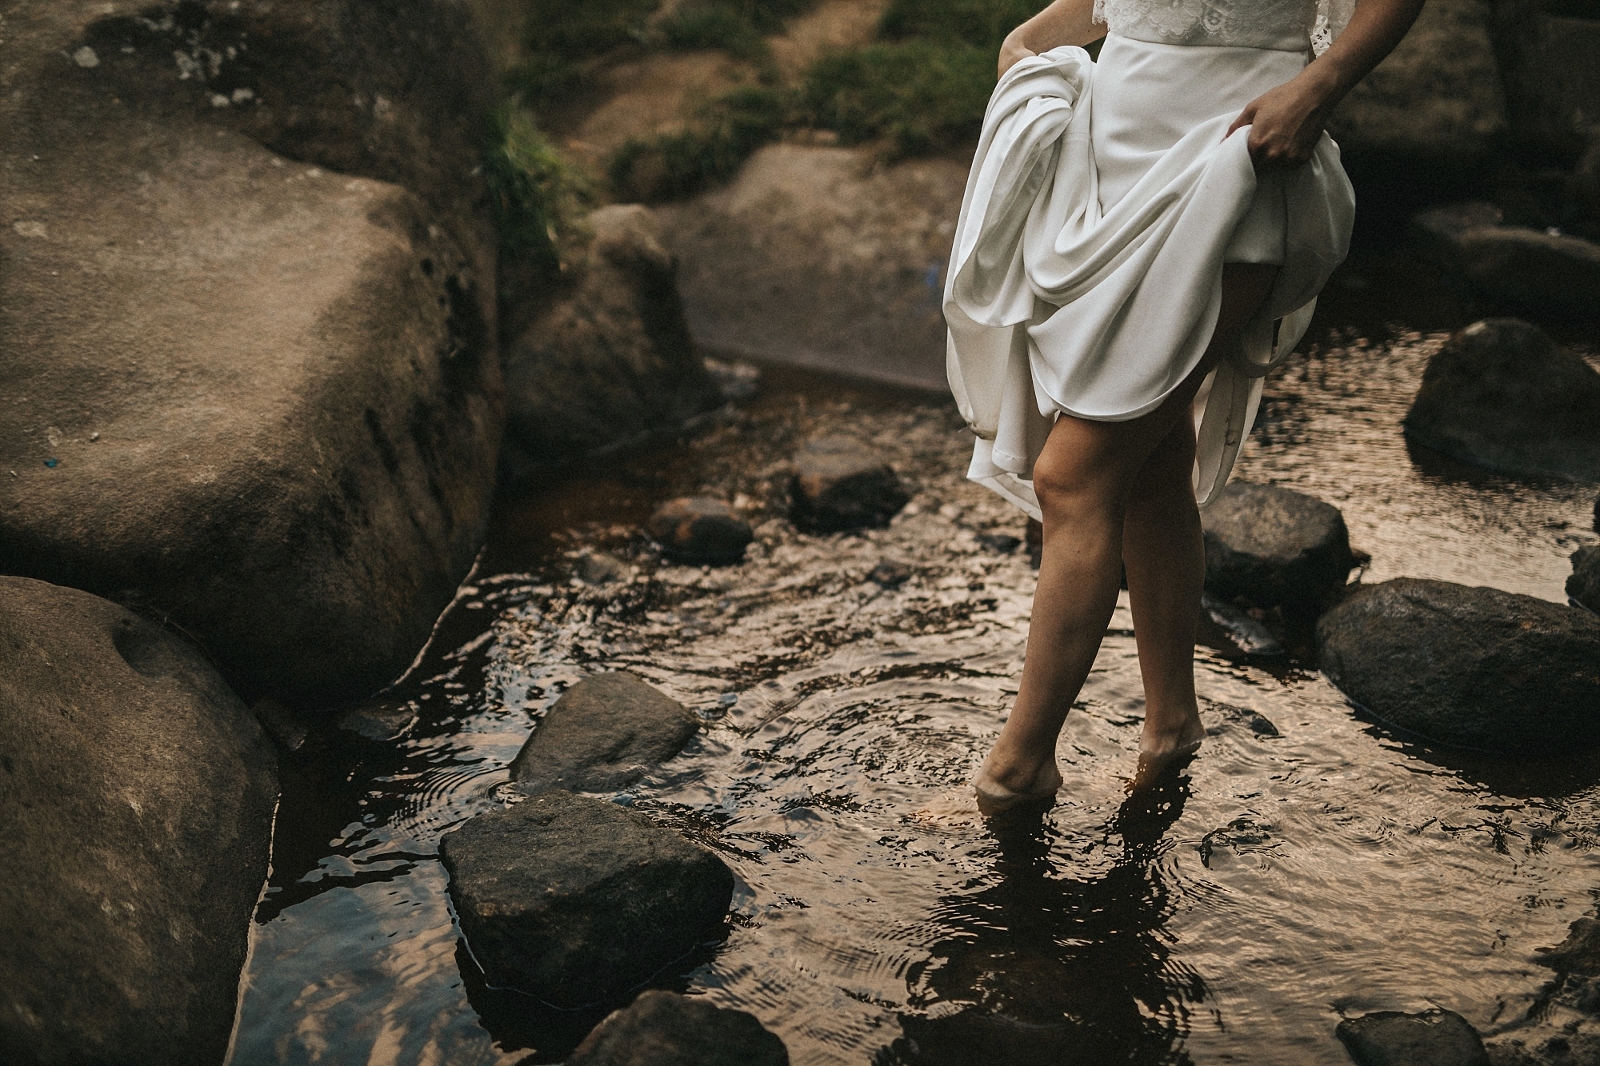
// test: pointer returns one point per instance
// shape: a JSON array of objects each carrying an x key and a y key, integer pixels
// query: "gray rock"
[
  {"x": 664, "y": 1029},
  {"x": 1474, "y": 667},
  {"x": 1579, "y": 953},
  {"x": 1272, "y": 546},
  {"x": 256, "y": 395},
  {"x": 603, "y": 734},
  {"x": 1549, "y": 272},
  {"x": 136, "y": 804},
  {"x": 598, "y": 568},
  {"x": 611, "y": 361},
  {"x": 823, "y": 257},
  {"x": 1435, "y": 104},
  {"x": 841, "y": 485},
  {"x": 700, "y": 529},
  {"x": 1501, "y": 395},
  {"x": 889, "y": 573},
  {"x": 1432, "y": 1038},
  {"x": 1584, "y": 584},
  {"x": 576, "y": 900}
]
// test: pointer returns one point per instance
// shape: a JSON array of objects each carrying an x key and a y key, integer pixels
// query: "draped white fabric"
[{"x": 1086, "y": 271}]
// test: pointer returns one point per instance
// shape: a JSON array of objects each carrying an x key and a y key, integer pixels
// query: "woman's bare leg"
[{"x": 1085, "y": 479}]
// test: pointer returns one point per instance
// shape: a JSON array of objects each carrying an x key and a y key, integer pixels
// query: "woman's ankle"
[{"x": 1020, "y": 772}]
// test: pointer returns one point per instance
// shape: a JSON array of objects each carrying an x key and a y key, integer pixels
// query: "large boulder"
[
  {"x": 604, "y": 733},
  {"x": 136, "y": 805},
  {"x": 1273, "y": 547},
  {"x": 1501, "y": 395},
  {"x": 665, "y": 1029},
  {"x": 256, "y": 395},
  {"x": 1550, "y": 272},
  {"x": 824, "y": 257},
  {"x": 612, "y": 360},
  {"x": 1584, "y": 583},
  {"x": 577, "y": 900},
  {"x": 1432, "y": 1038},
  {"x": 1474, "y": 667},
  {"x": 1433, "y": 108}
]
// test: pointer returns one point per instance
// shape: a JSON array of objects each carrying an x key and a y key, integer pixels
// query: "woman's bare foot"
[
  {"x": 1161, "y": 750},
  {"x": 1002, "y": 789}
]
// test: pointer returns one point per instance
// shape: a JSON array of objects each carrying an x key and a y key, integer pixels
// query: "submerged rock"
[
  {"x": 889, "y": 573},
  {"x": 1271, "y": 546},
  {"x": 1584, "y": 584},
  {"x": 700, "y": 529},
  {"x": 840, "y": 485},
  {"x": 1241, "y": 630},
  {"x": 262, "y": 397},
  {"x": 576, "y": 900},
  {"x": 1474, "y": 667},
  {"x": 1501, "y": 395},
  {"x": 136, "y": 804},
  {"x": 1564, "y": 1028},
  {"x": 1432, "y": 1038},
  {"x": 613, "y": 360},
  {"x": 603, "y": 734},
  {"x": 665, "y": 1029}
]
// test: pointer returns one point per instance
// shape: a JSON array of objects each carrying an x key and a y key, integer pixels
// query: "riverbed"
[{"x": 1308, "y": 865}]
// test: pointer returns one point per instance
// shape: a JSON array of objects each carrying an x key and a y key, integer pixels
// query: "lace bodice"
[{"x": 1291, "y": 25}]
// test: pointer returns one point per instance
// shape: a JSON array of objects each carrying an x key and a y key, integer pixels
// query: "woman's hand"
[{"x": 1285, "y": 123}]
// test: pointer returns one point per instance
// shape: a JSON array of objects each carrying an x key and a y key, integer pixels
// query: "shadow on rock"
[{"x": 1055, "y": 969}]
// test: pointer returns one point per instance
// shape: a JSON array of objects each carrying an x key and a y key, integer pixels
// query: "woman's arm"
[
  {"x": 1063, "y": 22},
  {"x": 1286, "y": 122}
]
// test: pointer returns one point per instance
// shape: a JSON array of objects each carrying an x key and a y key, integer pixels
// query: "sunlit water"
[{"x": 1307, "y": 866}]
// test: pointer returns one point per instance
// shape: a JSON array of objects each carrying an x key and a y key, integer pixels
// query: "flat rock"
[
  {"x": 603, "y": 734},
  {"x": 824, "y": 257},
  {"x": 1584, "y": 584},
  {"x": 576, "y": 900},
  {"x": 259, "y": 395},
  {"x": 1545, "y": 272},
  {"x": 1474, "y": 667},
  {"x": 612, "y": 360},
  {"x": 1272, "y": 546},
  {"x": 700, "y": 529},
  {"x": 136, "y": 806},
  {"x": 1501, "y": 395},
  {"x": 666, "y": 1029},
  {"x": 841, "y": 485},
  {"x": 1432, "y": 1038}
]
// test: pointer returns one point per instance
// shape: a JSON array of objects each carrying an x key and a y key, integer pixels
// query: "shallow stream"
[{"x": 1308, "y": 865}]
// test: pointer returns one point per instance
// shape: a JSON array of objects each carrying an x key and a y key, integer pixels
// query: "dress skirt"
[{"x": 1086, "y": 274}]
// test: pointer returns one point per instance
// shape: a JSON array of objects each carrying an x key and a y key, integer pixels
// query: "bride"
[{"x": 1142, "y": 238}]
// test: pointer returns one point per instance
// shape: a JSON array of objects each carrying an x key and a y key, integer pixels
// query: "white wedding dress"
[{"x": 1086, "y": 274}]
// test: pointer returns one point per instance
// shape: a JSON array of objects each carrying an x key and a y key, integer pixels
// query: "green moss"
[
  {"x": 539, "y": 201},
  {"x": 738, "y": 27},
  {"x": 922, "y": 95},
  {"x": 560, "y": 35},
  {"x": 720, "y": 138},
  {"x": 978, "y": 23}
]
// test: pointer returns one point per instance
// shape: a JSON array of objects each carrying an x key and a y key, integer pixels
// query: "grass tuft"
[
  {"x": 720, "y": 138},
  {"x": 738, "y": 27},
  {"x": 922, "y": 95},
  {"x": 978, "y": 23},
  {"x": 560, "y": 35},
  {"x": 539, "y": 201}
]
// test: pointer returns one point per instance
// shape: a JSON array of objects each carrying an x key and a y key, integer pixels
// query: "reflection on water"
[{"x": 1305, "y": 866}]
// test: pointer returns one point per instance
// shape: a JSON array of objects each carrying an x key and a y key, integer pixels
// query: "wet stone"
[
  {"x": 1272, "y": 547},
  {"x": 577, "y": 900},
  {"x": 700, "y": 529},
  {"x": 665, "y": 1029},
  {"x": 890, "y": 574},
  {"x": 1245, "y": 633},
  {"x": 840, "y": 485},
  {"x": 603, "y": 734},
  {"x": 1579, "y": 953},
  {"x": 1584, "y": 584},
  {"x": 1473, "y": 667},
  {"x": 598, "y": 568},
  {"x": 1004, "y": 543},
  {"x": 1432, "y": 1038},
  {"x": 1502, "y": 396}
]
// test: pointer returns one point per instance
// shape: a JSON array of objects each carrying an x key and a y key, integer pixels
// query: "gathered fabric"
[{"x": 1086, "y": 273}]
